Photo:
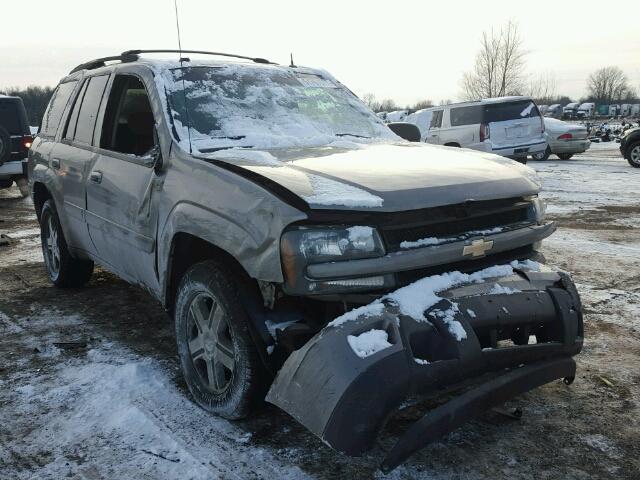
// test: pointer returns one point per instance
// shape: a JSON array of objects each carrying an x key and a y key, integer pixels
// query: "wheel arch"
[
  {"x": 452, "y": 144},
  {"x": 40, "y": 195}
]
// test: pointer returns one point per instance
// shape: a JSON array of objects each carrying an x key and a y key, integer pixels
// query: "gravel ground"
[{"x": 90, "y": 386}]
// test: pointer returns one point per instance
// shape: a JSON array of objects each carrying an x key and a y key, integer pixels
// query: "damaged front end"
[{"x": 516, "y": 331}]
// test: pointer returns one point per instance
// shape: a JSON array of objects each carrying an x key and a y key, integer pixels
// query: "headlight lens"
[
  {"x": 539, "y": 207},
  {"x": 333, "y": 244},
  {"x": 308, "y": 245}
]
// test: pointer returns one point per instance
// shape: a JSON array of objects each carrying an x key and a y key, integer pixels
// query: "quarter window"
[{"x": 55, "y": 109}]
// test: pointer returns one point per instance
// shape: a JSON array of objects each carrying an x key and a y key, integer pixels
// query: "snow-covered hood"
[{"x": 386, "y": 176}]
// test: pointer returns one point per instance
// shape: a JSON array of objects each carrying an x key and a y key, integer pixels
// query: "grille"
[
  {"x": 468, "y": 266},
  {"x": 454, "y": 220}
]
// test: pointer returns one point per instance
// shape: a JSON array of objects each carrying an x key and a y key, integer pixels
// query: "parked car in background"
[
  {"x": 543, "y": 109},
  {"x": 508, "y": 126},
  {"x": 15, "y": 140},
  {"x": 586, "y": 110},
  {"x": 630, "y": 146},
  {"x": 614, "y": 110},
  {"x": 570, "y": 110},
  {"x": 396, "y": 116},
  {"x": 554, "y": 111},
  {"x": 564, "y": 139}
]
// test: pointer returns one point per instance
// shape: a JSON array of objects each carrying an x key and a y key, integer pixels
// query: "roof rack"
[{"x": 133, "y": 55}]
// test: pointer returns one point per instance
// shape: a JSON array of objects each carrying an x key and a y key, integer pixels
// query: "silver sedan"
[{"x": 564, "y": 139}]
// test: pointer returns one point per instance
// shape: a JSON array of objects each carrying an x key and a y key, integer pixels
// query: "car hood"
[{"x": 384, "y": 177}]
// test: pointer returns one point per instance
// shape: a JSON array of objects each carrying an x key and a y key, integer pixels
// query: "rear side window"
[
  {"x": 495, "y": 112},
  {"x": 55, "y": 109},
  {"x": 466, "y": 115},
  {"x": 73, "y": 118},
  {"x": 88, "y": 112},
  {"x": 501, "y": 112},
  {"x": 9, "y": 118}
]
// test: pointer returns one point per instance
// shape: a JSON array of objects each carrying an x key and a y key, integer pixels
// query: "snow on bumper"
[{"x": 345, "y": 397}]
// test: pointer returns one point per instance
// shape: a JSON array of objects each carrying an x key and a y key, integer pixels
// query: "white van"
[{"x": 509, "y": 126}]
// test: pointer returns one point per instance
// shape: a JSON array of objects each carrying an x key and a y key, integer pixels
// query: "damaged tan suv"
[{"x": 308, "y": 255}]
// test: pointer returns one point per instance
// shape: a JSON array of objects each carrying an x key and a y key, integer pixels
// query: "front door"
[{"x": 120, "y": 211}]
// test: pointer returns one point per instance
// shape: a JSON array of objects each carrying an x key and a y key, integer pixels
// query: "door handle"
[
  {"x": 96, "y": 176},
  {"x": 55, "y": 163}
]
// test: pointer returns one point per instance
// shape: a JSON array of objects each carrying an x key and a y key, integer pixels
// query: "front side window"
[
  {"x": 128, "y": 122},
  {"x": 55, "y": 109},
  {"x": 245, "y": 106}
]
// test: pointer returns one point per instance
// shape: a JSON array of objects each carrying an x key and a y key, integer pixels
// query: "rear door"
[
  {"x": 513, "y": 124},
  {"x": 120, "y": 214},
  {"x": 72, "y": 156}
]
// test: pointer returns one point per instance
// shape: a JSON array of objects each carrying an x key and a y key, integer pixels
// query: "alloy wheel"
[
  {"x": 210, "y": 343},
  {"x": 634, "y": 156},
  {"x": 51, "y": 247}
]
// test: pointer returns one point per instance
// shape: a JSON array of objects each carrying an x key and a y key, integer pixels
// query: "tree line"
[{"x": 500, "y": 69}]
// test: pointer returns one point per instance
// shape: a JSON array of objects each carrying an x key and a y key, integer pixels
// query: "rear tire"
[
  {"x": 565, "y": 156},
  {"x": 219, "y": 360},
  {"x": 542, "y": 155},
  {"x": 63, "y": 270},
  {"x": 633, "y": 155}
]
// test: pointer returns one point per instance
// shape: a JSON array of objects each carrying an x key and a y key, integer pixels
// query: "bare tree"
[
  {"x": 419, "y": 105},
  {"x": 608, "y": 84},
  {"x": 499, "y": 65},
  {"x": 388, "y": 105},
  {"x": 542, "y": 88},
  {"x": 371, "y": 101}
]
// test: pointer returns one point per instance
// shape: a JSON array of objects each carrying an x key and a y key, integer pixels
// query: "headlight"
[
  {"x": 539, "y": 207},
  {"x": 308, "y": 245}
]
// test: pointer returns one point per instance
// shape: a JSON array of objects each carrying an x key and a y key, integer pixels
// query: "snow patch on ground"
[{"x": 368, "y": 343}]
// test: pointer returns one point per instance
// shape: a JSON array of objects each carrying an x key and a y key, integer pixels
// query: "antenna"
[
  {"x": 184, "y": 92},
  {"x": 175, "y": 5},
  {"x": 293, "y": 65}
]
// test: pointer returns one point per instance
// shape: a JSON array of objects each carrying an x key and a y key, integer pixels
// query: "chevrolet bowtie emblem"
[{"x": 477, "y": 248}]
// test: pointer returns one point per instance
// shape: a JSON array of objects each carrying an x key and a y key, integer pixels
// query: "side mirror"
[{"x": 405, "y": 130}]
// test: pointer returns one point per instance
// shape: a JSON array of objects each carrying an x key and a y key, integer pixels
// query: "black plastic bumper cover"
[{"x": 345, "y": 399}]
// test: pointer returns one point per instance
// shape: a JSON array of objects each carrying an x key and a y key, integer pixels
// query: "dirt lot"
[{"x": 90, "y": 387}]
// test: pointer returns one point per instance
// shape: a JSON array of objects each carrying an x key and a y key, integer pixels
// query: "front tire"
[
  {"x": 633, "y": 155},
  {"x": 565, "y": 156},
  {"x": 219, "y": 360},
  {"x": 63, "y": 270}
]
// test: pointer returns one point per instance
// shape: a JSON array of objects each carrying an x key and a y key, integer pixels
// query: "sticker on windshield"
[{"x": 314, "y": 81}]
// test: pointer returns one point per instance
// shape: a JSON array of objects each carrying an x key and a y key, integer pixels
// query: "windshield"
[{"x": 261, "y": 107}]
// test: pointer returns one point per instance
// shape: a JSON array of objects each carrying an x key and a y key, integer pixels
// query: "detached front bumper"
[{"x": 345, "y": 399}]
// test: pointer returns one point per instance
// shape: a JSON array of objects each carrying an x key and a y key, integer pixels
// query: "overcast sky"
[{"x": 406, "y": 50}]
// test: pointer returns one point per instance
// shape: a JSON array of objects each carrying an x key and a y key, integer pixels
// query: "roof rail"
[{"x": 133, "y": 55}]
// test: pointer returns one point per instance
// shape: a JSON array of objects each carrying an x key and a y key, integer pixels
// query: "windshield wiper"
[
  {"x": 217, "y": 149},
  {"x": 351, "y": 135},
  {"x": 232, "y": 137}
]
